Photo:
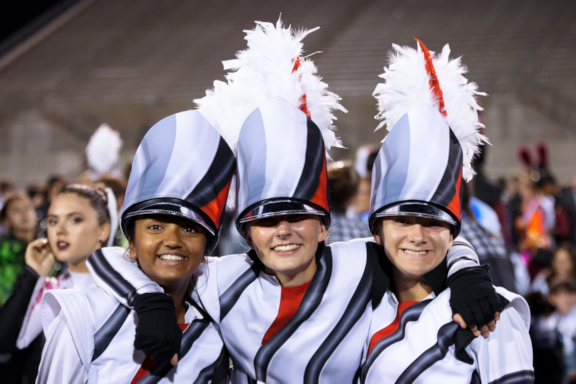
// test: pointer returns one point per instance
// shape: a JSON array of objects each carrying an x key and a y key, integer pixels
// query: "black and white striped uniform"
[
  {"x": 321, "y": 343},
  {"x": 421, "y": 349},
  {"x": 90, "y": 339}
]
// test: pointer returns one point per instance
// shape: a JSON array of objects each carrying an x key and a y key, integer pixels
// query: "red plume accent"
[
  {"x": 302, "y": 101},
  {"x": 433, "y": 79},
  {"x": 525, "y": 158},
  {"x": 542, "y": 150}
]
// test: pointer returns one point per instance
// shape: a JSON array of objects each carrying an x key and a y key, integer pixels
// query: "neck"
[
  {"x": 410, "y": 289},
  {"x": 295, "y": 278},
  {"x": 177, "y": 290},
  {"x": 78, "y": 267},
  {"x": 24, "y": 234}
]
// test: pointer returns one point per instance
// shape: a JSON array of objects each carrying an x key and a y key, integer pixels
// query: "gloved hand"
[
  {"x": 158, "y": 334},
  {"x": 473, "y": 296}
]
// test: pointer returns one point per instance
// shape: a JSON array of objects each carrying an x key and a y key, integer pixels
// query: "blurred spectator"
[
  {"x": 343, "y": 181},
  {"x": 20, "y": 218},
  {"x": 562, "y": 267},
  {"x": 546, "y": 341},
  {"x": 366, "y": 156},
  {"x": 563, "y": 298},
  {"x": 480, "y": 226},
  {"x": 53, "y": 188}
]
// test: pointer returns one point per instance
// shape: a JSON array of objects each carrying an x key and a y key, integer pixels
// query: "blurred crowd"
[{"x": 523, "y": 226}]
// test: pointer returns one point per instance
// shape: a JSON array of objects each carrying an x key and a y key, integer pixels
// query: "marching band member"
[
  {"x": 292, "y": 309},
  {"x": 431, "y": 113},
  {"x": 171, "y": 216},
  {"x": 78, "y": 224}
]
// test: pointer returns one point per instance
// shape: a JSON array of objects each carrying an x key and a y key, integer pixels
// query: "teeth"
[
  {"x": 62, "y": 243},
  {"x": 415, "y": 252},
  {"x": 284, "y": 248},
  {"x": 171, "y": 257}
]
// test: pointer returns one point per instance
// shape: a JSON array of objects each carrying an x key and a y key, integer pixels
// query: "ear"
[
  {"x": 378, "y": 234},
  {"x": 322, "y": 233},
  {"x": 249, "y": 241},
  {"x": 451, "y": 241},
  {"x": 104, "y": 231}
]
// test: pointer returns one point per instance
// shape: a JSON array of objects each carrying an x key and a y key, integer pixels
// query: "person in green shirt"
[{"x": 20, "y": 217}]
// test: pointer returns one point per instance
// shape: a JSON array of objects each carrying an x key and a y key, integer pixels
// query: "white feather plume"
[
  {"x": 266, "y": 70},
  {"x": 103, "y": 149},
  {"x": 407, "y": 86}
]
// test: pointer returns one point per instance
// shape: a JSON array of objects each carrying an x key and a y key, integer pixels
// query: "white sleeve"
[
  {"x": 118, "y": 276},
  {"x": 461, "y": 255},
  {"x": 61, "y": 362},
  {"x": 506, "y": 355}
]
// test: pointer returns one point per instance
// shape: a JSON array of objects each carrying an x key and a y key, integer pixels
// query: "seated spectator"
[
  {"x": 19, "y": 216},
  {"x": 563, "y": 298},
  {"x": 344, "y": 180},
  {"x": 563, "y": 267}
]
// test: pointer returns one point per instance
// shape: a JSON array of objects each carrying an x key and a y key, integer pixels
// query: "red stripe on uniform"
[
  {"x": 290, "y": 300},
  {"x": 321, "y": 195},
  {"x": 214, "y": 208},
  {"x": 454, "y": 205},
  {"x": 149, "y": 363},
  {"x": 385, "y": 332}
]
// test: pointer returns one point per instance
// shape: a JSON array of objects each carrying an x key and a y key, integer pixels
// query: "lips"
[
  {"x": 172, "y": 258},
  {"x": 286, "y": 249},
  {"x": 415, "y": 253},
  {"x": 62, "y": 245}
]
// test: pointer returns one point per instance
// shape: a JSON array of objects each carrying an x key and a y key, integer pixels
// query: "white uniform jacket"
[
  {"x": 90, "y": 339},
  {"x": 321, "y": 343},
  {"x": 421, "y": 348}
]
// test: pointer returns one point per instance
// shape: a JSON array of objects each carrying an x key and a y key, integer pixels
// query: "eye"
[
  {"x": 76, "y": 220},
  {"x": 400, "y": 220},
  {"x": 154, "y": 227},
  {"x": 52, "y": 222},
  {"x": 190, "y": 230}
]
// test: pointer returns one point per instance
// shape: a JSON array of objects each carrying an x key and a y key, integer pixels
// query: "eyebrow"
[{"x": 68, "y": 215}]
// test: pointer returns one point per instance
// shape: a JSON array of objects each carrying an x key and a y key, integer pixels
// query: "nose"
[
  {"x": 61, "y": 228},
  {"x": 172, "y": 239},
  {"x": 284, "y": 231},
  {"x": 416, "y": 234}
]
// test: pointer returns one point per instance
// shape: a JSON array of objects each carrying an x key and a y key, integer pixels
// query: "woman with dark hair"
[
  {"x": 174, "y": 202},
  {"x": 79, "y": 223}
]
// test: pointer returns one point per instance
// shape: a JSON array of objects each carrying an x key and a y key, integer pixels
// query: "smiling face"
[
  {"x": 168, "y": 248},
  {"x": 414, "y": 245},
  {"x": 73, "y": 228},
  {"x": 286, "y": 245}
]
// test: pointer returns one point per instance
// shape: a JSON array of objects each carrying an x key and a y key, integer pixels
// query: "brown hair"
[
  {"x": 97, "y": 198},
  {"x": 12, "y": 199}
]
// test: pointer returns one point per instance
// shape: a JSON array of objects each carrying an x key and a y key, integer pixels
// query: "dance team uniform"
[
  {"x": 418, "y": 172},
  {"x": 183, "y": 168},
  {"x": 313, "y": 333}
]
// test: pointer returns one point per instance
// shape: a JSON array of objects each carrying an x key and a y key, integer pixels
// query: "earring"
[{"x": 100, "y": 240}]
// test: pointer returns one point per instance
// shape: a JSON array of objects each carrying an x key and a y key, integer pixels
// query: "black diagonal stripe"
[
  {"x": 354, "y": 311},
  {"x": 410, "y": 314},
  {"x": 447, "y": 187},
  {"x": 108, "y": 330},
  {"x": 229, "y": 298},
  {"x": 311, "y": 300},
  {"x": 446, "y": 338},
  {"x": 520, "y": 377},
  {"x": 217, "y": 372},
  {"x": 460, "y": 259},
  {"x": 216, "y": 178},
  {"x": 313, "y": 165},
  {"x": 456, "y": 242},
  {"x": 111, "y": 277},
  {"x": 191, "y": 334}
]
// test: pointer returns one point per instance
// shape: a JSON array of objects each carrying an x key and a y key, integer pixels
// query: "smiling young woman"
[
  {"x": 171, "y": 217},
  {"x": 415, "y": 213}
]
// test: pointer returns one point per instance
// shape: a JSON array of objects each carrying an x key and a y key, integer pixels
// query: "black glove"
[
  {"x": 473, "y": 296},
  {"x": 158, "y": 334}
]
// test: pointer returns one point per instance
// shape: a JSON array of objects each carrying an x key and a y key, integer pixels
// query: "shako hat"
[
  {"x": 182, "y": 167},
  {"x": 279, "y": 115},
  {"x": 430, "y": 109}
]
